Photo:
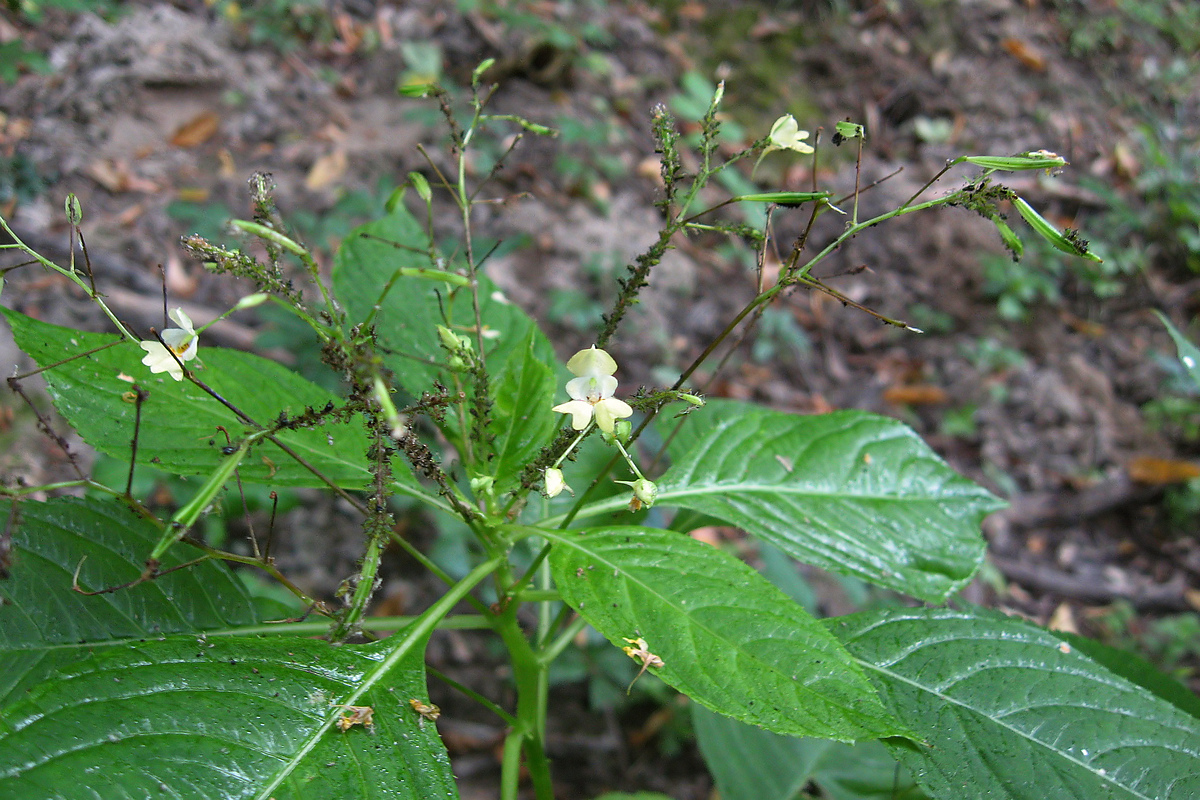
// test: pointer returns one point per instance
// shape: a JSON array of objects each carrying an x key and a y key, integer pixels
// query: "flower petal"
[
  {"x": 158, "y": 359},
  {"x": 783, "y": 132},
  {"x": 608, "y": 411},
  {"x": 592, "y": 362},
  {"x": 182, "y": 342},
  {"x": 580, "y": 411},
  {"x": 182, "y": 320},
  {"x": 591, "y": 387},
  {"x": 786, "y": 135}
]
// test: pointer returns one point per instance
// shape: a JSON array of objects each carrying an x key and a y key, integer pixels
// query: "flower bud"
[
  {"x": 449, "y": 338},
  {"x": 482, "y": 485},
  {"x": 250, "y": 301},
  {"x": 555, "y": 483},
  {"x": 645, "y": 491},
  {"x": 74, "y": 210}
]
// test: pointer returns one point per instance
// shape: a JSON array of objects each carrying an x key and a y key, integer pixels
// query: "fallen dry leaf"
[
  {"x": 197, "y": 130},
  {"x": 1160, "y": 471},
  {"x": 228, "y": 168},
  {"x": 326, "y": 170},
  {"x": 109, "y": 174},
  {"x": 1063, "y": 619},
  {"x": 1088, "y": 328},
  {"x": 1125, "y": 160},
  {"x": 1026, "y": 53},
  {"x": 179, "y": 282},
  {"x": 131, "y": 214},
  {"x": 916, "y": 395},
  {"x": 192, "y": 194},
  {"x": 710, "y": 535},
  {"x": 650, "y": 168},
  {"x": 116, "y": 177},
  {"x": 1193, "y": 598}
]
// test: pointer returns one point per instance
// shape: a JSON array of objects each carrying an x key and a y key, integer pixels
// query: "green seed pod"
[
  {"x": 1067, "y": 241},
  {"x": 1037, "y": 159},
  {"x": 645, "y": 491},
  {"x": 73, "y": 209}
]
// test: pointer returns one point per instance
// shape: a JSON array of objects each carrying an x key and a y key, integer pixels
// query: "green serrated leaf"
[
  {"x": 749, "y": 763},
  {"x": 227, "y": 717},
  {"x": 407, "y": 319},
  {"x": 522, "y": 395},
  {"x": 1008, "y": 711},
  {"x": 1189, "y": 354},
  {"x": 44, "y": 624},
  {"x": 728, "y": 639},
  {"x": 107, "y": 696},
  {"x": 1135, "y": 669},
  {"x": 849, "y": 492},
  {"x": 179, "y": 427}
]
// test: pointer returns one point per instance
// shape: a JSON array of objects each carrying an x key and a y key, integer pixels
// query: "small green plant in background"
[
  {"x": 582, "y": 308},
  {"x": 20, "y": 180},
  {"x": 779, "y": 338},
  {"x": 282, "y": 24},
  {"x": 1094, "y": 29},
  {"x": 591, "y": 152},
  {"x": 1167, "y": 641},
  {"x": 1160, "y": 223},
  {"x": 34, "y": 11},
  {"x": 203, "y": 219},
  {"x": 565, "y": 505},
  {"x": 1018, "y": 286},
  {"x": 423, "y": 64},
  {"x": 16, "y": 58},
  {"x": 533, "y": 20},
  {"x": 1177, "y": 412}
]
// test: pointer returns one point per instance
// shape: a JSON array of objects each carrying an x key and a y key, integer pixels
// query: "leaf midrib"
[
  {"x": 682, "y": 611},
  {"x": 667, "y": 493},
  {"x": 1021, "y": 734}
]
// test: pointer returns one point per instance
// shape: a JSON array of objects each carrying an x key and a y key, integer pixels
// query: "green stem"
[
  {"x": 548, "y": 597},
  {"x": 72, "y": 275},
  {"x": 474, "y": 695},
  {"x": 510, "y": 766},
  {"x": 555, "y": 648},
  {"x": 296, "y": 249},
  {"x": 539, "y": 596},
  {"x": 362, "y": 590},
  {"x": 186, "y": 517},
  {"x": 462, "y": 622},
  {"x": 531, "y": 678}
]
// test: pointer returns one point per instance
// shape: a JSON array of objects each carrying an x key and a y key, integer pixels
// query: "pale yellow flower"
[
  {"x": 786, "y": 135},
  {"x": 183, "y": 342},
  {"x": 591, "y": 391}
]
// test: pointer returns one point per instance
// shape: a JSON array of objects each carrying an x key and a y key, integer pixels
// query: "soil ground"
[{"x": 156, "y": 115}]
